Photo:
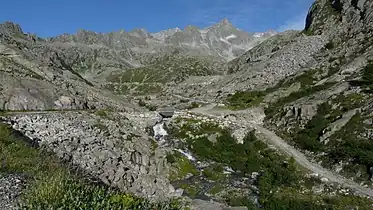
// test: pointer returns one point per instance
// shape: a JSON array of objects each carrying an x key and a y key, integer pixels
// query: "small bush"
[
  {"x": 330, "y": 45},
  {"x": 245, "y": 99},
  {"x": 141, "y": 103},
  {"x": 102, "y": 113},
  {"x": 193, "y": 105}
]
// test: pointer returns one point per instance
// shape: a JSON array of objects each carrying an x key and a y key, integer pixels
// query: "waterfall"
[{"x": 159, "y": 132}]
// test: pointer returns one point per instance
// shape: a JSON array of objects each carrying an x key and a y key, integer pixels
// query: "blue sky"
[{"x": 52, "y": 17}]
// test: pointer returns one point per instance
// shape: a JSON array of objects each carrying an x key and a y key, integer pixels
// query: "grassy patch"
[
  {"x": 245, "y": 99},
  {"x": 103, "y": 113},
  {"x": 217, "y": 188},
  {"x": 193, "y": 105},
  {"x": 154, "y": 144},
  {"x": 193, "y": 127},
  {"x": 366, "y": 81},
  {"x": 214, "y": 172},
  {"x": 190, "y": 189},
  {"x": 181, "y": 166},
  {"x": 62, "y": 190},
  {"x": 308, "y": 138},
  {"x": 237, "y": 199},
  {"x": 289, "y": 199},
  {"x": 348, "y": 144},
  {"x": 279, "y": 104},
  {"x": 52, "y": 186}
]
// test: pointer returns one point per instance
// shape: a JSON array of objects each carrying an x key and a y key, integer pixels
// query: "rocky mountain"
[
  {"x": 263, "y": 120},
  {"x": 221, "y": 40},
  {"x": 95, "y": 57}
]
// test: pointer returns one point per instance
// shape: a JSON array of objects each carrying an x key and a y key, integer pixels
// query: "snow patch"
[
  {"x": 258, "y": 35},
  {"x": 232, "y": 36},
  {"x": 225, "y": 41}
]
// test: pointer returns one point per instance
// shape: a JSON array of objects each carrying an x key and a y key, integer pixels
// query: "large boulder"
[{"x": 166, "y": 112}]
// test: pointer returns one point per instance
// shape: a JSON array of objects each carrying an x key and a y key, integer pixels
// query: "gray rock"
[
  {"x": 166, "y": 112},
  {"x": 11, "y": 187}
]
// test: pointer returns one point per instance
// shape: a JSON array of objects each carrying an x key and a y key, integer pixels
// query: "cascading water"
[
  {"x": 187, "y": 155},
  {"x": 159, "y": 131}
]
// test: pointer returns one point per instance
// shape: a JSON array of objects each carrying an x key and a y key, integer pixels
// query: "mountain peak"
[
  {"x": 225, "y": 21},
  {"x": 10, "y": 27}
]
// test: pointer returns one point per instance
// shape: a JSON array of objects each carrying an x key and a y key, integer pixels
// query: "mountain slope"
[{"x": 315, "y": 86}]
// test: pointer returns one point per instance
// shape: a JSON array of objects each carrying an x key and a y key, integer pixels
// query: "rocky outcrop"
[{"x": 117, "y": 153}]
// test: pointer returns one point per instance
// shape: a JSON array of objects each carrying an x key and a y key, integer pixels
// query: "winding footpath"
[{"x": 279, "y": 143}]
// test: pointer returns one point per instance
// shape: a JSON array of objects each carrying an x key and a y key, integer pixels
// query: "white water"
[
  {"x": 228, "y": 170},
  {"x": 189, "y": 156},
  {"x": 159, "y": 131}
]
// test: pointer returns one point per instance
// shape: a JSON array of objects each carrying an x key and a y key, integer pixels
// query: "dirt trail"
[{"x": 280, "y": 144}]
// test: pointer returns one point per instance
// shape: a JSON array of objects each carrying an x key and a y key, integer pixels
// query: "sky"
[{"x": 51, "y": 17}]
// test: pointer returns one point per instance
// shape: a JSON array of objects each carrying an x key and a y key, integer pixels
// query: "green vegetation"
[
  {"x": 99, "y": 125},
  {"x": 366, "y": 81},
  {"x": 151, "y": 107},
  {"x": 216, "y": 189},
  {"x": 245, "y": 99},
  {"x": 280, "y": 182},
  {"x": 193, "y": 105},
  {"x": 164, "y": 70},
  {"x": 181, "y": 166},
  {"x": 276, "y": 106},
  {"x": 308, "y": 32},
  {"x": 102, "y": 113},
  {"x": 147, "y": 88},
  {"x": 214, "y": 172},
  {"x": 308, "y": 138},
  {"x": 330, "y": 45},
  {"x": 105, "y": 113},
  {"x": 190, "y": 189},
  {"x": 52, "y": 186},
  {"x": 194, "y": 126},
  {"x": 154, "y": 144},
  {"x": 151, "y": 78},
  {"x": 64, "y": 191},
  {"x": 348, "y": 144},
  {"x": 236, "y": 198}
]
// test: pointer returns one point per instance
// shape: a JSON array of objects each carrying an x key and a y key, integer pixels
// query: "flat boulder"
[{"x": 166, "y": 112}]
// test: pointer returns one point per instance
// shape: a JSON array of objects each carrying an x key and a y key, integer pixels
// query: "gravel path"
[{"x": 301, "y": 159}]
